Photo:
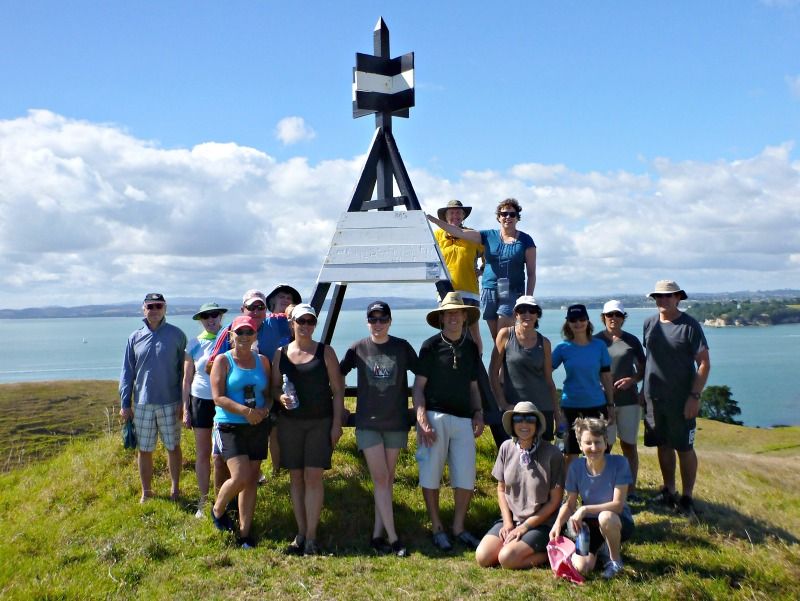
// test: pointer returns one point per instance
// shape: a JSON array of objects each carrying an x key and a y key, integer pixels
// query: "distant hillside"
[{"x": 188, "y": 305}]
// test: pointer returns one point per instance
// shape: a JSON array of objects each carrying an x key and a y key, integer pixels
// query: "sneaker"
[
  {"x": 380, "y": 546},
  {"x": 296, "y": 547},
  {"x": 311, "y": 547},
  {"x": 247, "y": 542},
  {"x": 262, "y": 479},
  {"x": 612, "y": 569},
  {"x": 685, "y": 507},
  {"x": 467, "y": 539},
  {"x": 201, "y": 509},
  {"x": 665, "y": 498},
  {"x": 399, "y": 549},
  {"x": 441, "y": 541},
  {"x": 223, "y": 523}
]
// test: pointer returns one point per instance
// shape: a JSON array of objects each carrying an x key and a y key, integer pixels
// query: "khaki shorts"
[{"x": 455, "y": 445}]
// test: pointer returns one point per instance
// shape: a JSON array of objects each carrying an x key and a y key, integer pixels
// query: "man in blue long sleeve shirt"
[{"x": 152, "y": 373}]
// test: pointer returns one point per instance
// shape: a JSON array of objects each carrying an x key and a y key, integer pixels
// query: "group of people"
[{"x": 265, "y": 378}]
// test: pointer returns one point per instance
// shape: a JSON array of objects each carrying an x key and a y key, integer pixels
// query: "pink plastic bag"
[{"x": 559, "y": 552}]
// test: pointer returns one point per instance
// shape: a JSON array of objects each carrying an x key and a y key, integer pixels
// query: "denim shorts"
[{"x": 493, "y": 307}]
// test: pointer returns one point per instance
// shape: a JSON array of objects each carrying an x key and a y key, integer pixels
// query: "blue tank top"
[{"x": 235, "y": 384}]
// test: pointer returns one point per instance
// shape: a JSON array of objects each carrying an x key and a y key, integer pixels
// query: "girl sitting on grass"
[{"x": 602, "y": 482}]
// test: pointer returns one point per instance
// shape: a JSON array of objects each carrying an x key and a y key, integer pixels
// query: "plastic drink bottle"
[{"x": 290, "y": 391}]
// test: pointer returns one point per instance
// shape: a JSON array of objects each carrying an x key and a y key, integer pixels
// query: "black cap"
[
  {"x": 379, "y": 306},
  {"x": 154, "y": 297},
  {"x": 577, "y": 311}
]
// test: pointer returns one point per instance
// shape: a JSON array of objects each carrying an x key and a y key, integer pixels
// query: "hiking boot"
[
  {"x": 222, "y": 523},
  {"x": 685, "y": 507},
  {"x": 467, "y": 539},
  {"x": 665, "y": 498},
  {"x": 296, "y": 547},
  {"x": 247, "y": 542},
  {"x": 612, "y": 569},
  {"x": 441, "y": 541},
  {"x": 311, "y": 547},
  {"x": 380, "y": 546},
  {"x": 399, "y": 549}
]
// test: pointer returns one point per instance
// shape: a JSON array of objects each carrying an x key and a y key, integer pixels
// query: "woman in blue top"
[
  {"x": 198, "y": 404},
  {"x": 602, "y": 482},
  {"x": 240, "y": 385},
  {"x": 588, "y": 389},
  {"x": 510, "y": 256}
]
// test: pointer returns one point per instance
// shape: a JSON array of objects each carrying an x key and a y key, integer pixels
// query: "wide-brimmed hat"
[
  {"x": 296, "y": 298},
  {"x": 453, "y": 204},
  {"x": 668, "y": 287},
  {"x": 450, "y": 302},
  {"x": 523, "y": 408},
  {"x": 208, "y": 307}
]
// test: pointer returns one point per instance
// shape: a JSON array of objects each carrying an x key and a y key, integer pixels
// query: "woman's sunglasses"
[
  {"x": 210, "y": 315},
  {"x": 302, "y": 321},
  {"x": 374, "y": 320},
  {"x": 523, "y": 417},
  {"x": 245, "y": 332}
]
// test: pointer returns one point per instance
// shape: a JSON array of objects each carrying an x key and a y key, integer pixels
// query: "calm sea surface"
[{"x": 761, "y": 365}]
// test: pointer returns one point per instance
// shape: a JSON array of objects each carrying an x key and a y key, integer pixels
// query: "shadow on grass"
[{"x": 727, "y": 519}]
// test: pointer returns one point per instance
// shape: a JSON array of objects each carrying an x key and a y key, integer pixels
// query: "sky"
[{"x": 204, "y": 148}]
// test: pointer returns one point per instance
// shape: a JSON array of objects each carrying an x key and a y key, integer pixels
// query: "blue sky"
[{"x": 567, "y": 105}]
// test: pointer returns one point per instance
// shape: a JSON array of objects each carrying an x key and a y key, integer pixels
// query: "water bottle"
[
  {"x": 250, "y": 396},
  {"x": 561, "y": 434},
  {"x": 290, "y": 391},
  {"x": 582, "y": 541}
]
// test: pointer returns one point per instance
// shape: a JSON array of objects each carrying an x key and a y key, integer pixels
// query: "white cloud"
[
  {"x": 793, "y": 81},
  {"x": 88, "y": 213},
  {"x": 291, "y": 130}
]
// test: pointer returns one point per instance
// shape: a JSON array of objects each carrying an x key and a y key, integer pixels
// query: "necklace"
[{"x": 453, "y": 347}]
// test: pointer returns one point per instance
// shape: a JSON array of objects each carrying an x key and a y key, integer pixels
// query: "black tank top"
[{"x": 312, "y": 384}]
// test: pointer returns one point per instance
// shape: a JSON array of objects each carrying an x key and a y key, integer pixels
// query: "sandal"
[{"x": 466, "y": 538}]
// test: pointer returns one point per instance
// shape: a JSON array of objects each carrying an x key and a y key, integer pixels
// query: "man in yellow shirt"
[{"x": 461, "y": 257}]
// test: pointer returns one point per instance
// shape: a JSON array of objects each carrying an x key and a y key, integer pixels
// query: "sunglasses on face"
[
  {"x": 520, "y": 418},
  {"x": 382, "y": 319},
  {"x": 154, "y": 306},
  {"x": 512, "y": 214},
  {"x": 615, "y": 314},
  {"x": 256, "y": 307},
  {"x": 245, "y": 332},
  {"x": 523, "y": 310},
  {"x": 661, "y": 295},
  {"x": 210, "y": 315},
  {"x": 576, "y": 319},
  {"x": 302, "y": 321}
]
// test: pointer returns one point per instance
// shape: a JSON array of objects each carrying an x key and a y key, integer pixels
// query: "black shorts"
[
  {"x": 571, "y": 446},
  {"x": 305, "y": 442},
  {"x": 202, "y": 412},
  {"x": 671, "y": 428},
  {"x": 235, "y": 440},
  {"x": 596, "y": 539}
]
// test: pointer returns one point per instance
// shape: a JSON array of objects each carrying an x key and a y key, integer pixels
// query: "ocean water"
[{"x": 760, "y": 364}]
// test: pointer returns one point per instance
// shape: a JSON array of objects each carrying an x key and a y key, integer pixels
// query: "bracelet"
[{"x": 695, "y": 395}]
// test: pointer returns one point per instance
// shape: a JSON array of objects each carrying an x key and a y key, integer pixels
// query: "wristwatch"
[{"x": 695, "y": 395}]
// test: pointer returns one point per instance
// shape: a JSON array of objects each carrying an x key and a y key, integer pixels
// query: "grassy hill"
[{"x": 73, "y": 528}]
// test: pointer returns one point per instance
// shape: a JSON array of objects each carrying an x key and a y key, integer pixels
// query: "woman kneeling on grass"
[
  {"x": 530, "y": 483},
  {"x": 602, "y": 482}
]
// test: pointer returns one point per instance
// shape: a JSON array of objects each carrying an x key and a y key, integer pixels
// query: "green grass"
[{"x": 73, "y": 529}]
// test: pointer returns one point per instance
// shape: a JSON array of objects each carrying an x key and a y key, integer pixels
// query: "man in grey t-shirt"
[{"x": 675, "y": 344}]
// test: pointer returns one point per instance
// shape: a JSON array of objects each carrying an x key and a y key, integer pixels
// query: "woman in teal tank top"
[{"x": 240, "y": 386}]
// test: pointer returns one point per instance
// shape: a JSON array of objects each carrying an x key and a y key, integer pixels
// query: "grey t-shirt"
[
  {"x": 528, "y": 486},
  {"x": 625, "y": 352},
  {"x": 671, "y": 349}
]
